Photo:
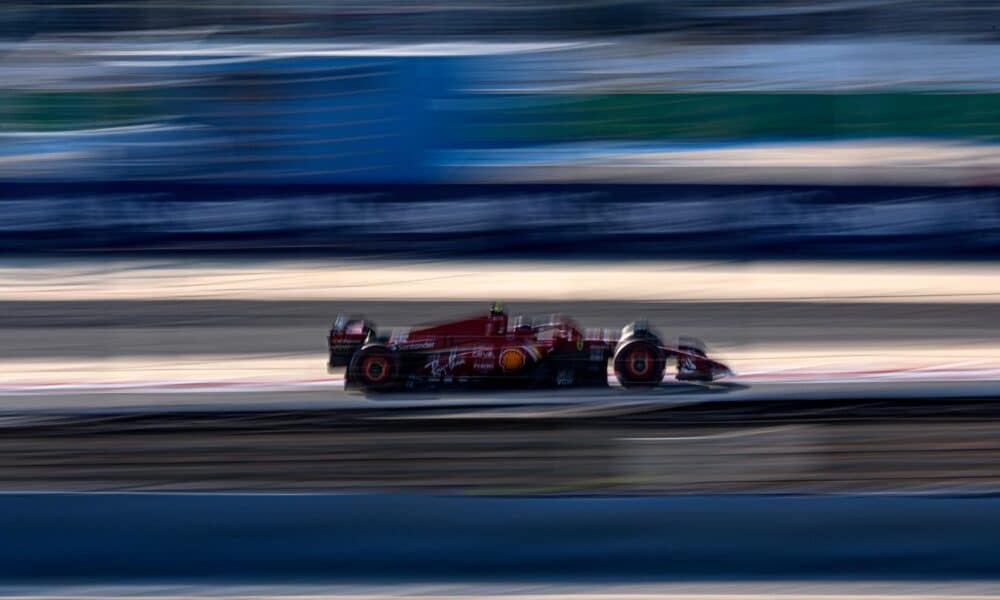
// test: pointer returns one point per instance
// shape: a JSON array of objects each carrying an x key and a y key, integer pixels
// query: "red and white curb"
[{"x": 336, "y": 382}]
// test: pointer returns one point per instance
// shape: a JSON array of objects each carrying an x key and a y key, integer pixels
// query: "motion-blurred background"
[
  {"x": 191, "y": 191},
  {"x": 173, "y": 124}
]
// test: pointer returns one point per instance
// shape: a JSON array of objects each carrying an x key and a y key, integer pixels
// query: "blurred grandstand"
[{"x": 898, "y": 94}]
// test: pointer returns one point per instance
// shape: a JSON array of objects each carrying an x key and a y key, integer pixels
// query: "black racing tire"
[
  {"x": 374, "y": 367},
  {"x": 640, "y": 363}
]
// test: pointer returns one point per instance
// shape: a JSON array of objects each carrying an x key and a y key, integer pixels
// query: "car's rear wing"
[{"x": 346, "y": 337}]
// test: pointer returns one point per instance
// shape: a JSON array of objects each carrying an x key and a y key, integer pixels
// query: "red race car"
[{"x": 489, "y": 349}]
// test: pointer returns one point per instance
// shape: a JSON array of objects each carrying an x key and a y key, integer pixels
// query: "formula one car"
[{"x": 488, "y": 349}]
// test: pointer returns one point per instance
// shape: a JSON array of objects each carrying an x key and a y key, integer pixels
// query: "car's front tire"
[{"x": 639, "y": 363}]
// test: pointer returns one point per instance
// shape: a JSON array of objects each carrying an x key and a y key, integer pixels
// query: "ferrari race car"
[{"x": 489, "y": 349}]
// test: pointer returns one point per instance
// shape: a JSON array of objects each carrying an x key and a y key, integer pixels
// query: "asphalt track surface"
[{"x": 846, "y": 446}]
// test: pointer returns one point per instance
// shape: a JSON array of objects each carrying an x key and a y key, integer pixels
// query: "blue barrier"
[{"x": 384, "y": 538}]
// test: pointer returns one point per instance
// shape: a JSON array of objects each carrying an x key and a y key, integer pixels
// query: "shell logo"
[{"x": 512, "y": 359}]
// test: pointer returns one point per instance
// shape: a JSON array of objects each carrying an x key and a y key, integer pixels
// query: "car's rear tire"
[
  {"x": 639, "y": 363},
  {"x": 375, "y": 368}
]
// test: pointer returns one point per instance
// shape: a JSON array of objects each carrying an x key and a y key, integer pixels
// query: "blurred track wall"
[{"x": 566, "y": 220}]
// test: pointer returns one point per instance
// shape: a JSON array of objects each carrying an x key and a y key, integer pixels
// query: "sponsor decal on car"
[
  {"x": 483, "y": 352},
  {"x": 416, "y": 345},
  {"x": 512, "y": 359},
  {"x": 443, "y": 367}
]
